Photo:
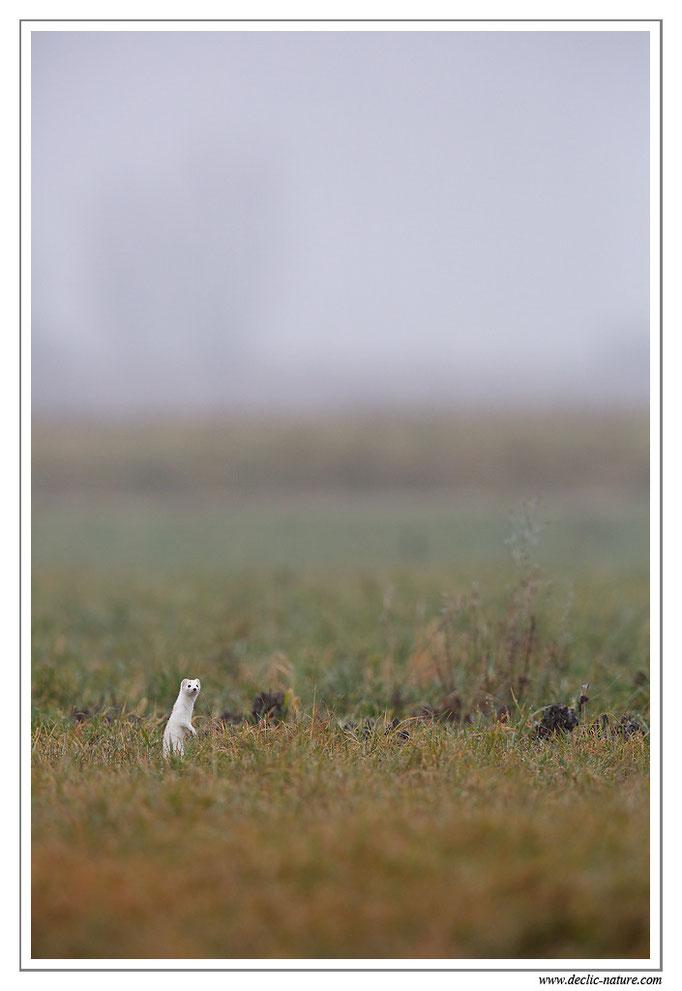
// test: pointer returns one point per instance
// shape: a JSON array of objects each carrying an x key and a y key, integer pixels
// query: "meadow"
[{"x": 416, "y": 590}]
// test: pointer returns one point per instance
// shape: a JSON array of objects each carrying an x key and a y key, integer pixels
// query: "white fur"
[{"x": 180, "y": 722}]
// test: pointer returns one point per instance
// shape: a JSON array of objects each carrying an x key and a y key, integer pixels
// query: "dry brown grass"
[
  {"x": 554, "y": 450},
  {"x": 297, "y": 842}
]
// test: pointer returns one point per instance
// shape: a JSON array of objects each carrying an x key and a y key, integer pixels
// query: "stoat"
[{"x": 180, "y": 722}]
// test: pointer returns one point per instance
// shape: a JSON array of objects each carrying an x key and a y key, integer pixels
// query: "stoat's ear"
[{"x": 184, "y": 683}]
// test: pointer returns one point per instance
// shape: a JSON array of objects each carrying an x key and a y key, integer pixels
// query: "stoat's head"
[{"x": 190, "y": 687}]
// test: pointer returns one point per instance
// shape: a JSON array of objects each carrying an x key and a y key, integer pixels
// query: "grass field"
[{"x": 415, "y": 589}]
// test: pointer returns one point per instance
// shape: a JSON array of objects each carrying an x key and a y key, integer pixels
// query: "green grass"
[
  {"x": 102, "y": 640},
  {"x": 468, "y": 838},
  {"x": 461, "y": 535}
]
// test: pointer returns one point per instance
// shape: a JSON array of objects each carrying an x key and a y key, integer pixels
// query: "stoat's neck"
[{"x": 185, "y": 703}]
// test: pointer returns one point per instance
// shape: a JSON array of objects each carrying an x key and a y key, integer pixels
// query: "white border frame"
[{"x": 501, "y": 965}]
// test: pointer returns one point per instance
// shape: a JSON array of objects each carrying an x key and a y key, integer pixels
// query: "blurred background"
[{"x": 338, "y": 298}]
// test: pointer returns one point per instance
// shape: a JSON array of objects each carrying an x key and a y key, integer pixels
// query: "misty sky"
[{"x": 228, "y": 220}]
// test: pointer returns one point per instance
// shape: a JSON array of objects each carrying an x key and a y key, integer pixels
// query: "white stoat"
[{"x": 180, "y": 722}]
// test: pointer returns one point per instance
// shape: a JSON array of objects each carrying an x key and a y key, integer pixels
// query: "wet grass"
[
  {"x": 298, "y": 841},
  {"x": 465, "y": 839},
  {"x": 457, "y": 833}
]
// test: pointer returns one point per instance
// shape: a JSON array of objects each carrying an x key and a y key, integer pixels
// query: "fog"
[{"x": 230, "y": 221}]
